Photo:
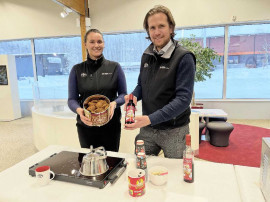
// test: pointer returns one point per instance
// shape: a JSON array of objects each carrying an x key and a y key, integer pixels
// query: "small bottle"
[
  {"x": 139, "y": 146},
  {"x": 130, "y": 111},
  {"x": 141, "y": 163},
  {"x": 188, "y": 161}
]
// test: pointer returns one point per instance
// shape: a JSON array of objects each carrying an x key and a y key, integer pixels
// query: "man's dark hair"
[{"x": 159, "y": 9}]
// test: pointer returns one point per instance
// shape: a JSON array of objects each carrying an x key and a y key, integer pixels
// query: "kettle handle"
[
  {"x": 102, "y": 149},
  {"x": 91, "y": 148}
]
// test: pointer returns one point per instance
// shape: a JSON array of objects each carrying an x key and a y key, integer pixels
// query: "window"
[
  {"x": 24, "y": 66},
  {"x": 127, "y": 49},
  {"x": 54, "y": 59},
  {"x": 248, "y": 74},
  {"x": 248, "y": 64},
  {"x": 212, "y": 38}
]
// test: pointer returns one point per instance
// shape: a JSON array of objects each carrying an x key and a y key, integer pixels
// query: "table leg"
[{"x": 207, "y": 137}]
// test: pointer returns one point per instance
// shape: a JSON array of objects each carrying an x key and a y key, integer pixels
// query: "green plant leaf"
[{"x": 204, "y": 57}]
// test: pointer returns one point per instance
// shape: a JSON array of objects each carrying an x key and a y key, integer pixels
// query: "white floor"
[{"x": 16, "y": 138}]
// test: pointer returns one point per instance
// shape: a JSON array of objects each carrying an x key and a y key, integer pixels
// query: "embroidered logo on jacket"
[
  {"x": 163, "y": 67},
  {"x": 83, "y": 74},
  {"x": 145, "y": 65},
  {"x": 106, "y": 73}
]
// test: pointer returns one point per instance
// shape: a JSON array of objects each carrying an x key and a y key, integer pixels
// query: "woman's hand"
[
  {"x": 112, "y": 108},
  {"x": 84, "y": 119}
]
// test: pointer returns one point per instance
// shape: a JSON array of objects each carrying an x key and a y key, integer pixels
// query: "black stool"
[
  {"x": 217, "y": 119},
  {"x": 219, "y": 132}
]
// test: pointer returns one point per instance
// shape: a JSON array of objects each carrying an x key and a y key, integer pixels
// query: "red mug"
[{"x": 136, "y": 182}]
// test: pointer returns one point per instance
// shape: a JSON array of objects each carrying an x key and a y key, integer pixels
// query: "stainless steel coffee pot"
[{"x": 94, "y": 163}]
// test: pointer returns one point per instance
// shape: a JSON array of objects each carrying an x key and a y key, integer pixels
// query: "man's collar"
[{"x": 166, "y": 51}]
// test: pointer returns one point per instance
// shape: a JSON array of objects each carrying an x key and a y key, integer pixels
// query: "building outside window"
[
  {"x": 248, "y": 74},
  {"x": 214, "y": 39},
  {"x": 54, "y": 59}
]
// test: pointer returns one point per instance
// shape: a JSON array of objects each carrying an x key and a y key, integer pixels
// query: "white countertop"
[
  {"x": 213, "y": 182},
  {"x": 249, "y": 183}
]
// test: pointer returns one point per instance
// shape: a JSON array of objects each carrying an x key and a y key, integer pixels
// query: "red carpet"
[{"x": 244, "y": 147}]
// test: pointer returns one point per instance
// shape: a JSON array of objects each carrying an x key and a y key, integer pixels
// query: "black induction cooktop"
[{"x": 66, "y": 167}]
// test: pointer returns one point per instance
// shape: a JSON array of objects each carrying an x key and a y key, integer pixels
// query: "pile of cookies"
[{"x": 97, "y": 105}]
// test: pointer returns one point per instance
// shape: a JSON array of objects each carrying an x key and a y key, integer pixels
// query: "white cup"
[{"x": 43, "y": 175}]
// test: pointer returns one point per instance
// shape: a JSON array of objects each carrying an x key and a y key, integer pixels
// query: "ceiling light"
[{"x": 66, "y": 12}]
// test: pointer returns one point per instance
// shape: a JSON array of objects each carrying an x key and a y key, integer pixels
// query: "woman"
[{"x": 97, "y": 76}]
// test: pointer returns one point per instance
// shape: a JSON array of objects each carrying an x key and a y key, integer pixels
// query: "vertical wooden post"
[{"x": 83, "y": 31}]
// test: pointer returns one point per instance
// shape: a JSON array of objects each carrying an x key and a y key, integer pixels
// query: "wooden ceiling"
[{"x": 78, "y": 6}]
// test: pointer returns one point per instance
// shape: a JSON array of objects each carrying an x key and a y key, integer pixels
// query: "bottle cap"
[
  {"x": 131, "y": 97},
  {"x": 141, "y": 154},
  {"x": 188, "y": 139},
  {"x": 139, "y": 142}
]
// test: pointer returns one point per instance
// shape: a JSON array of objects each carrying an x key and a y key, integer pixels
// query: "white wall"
[
  {"x": 122, "y": 15},
  {"x": 9, "y": 94},
  {"x": 34, "y": 18},
  {"x": 41, "y": 18}
]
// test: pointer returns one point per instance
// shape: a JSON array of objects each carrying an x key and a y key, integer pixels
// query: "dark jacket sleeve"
[
  {"x": 122, "y": 87},
  {"x": 73, "y": 93}
]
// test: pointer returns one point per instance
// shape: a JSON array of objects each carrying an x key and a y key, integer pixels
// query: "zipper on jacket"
[{"x": 96, "y": 80}]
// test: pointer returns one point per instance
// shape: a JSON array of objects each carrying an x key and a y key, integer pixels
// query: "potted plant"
[{"x": 204, "y": 59}]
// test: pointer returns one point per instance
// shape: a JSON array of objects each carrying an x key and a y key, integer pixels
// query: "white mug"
[{"x": 43, "y": 175}]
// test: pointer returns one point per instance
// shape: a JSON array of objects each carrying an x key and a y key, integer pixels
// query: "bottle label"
[
  {"x": 130, "y": 116},
  {"x": 141, "y": 162},
  {"x": 140, "y": 148},
  {"x": 187, "y": 167}
]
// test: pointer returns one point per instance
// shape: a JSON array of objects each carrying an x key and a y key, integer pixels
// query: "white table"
[
  {"x": 213, "y": 182},
  {"x": 249, "y": 183},
  {"x": 209, "y": 113}
]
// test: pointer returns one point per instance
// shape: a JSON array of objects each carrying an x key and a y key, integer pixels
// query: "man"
[{"x": 165, "y": 86}]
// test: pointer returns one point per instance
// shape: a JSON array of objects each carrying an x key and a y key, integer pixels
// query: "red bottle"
[
  {"x": 188, "y": 161},
  {"x": 130, "y": 111}
]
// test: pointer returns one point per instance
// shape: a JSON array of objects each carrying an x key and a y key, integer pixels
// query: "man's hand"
[
  {"x": 140, "y": 121},
  {"x": 127, "y": 100},
  {"x": 112, "y": 108},
  {"x": 84, "y": 119}
]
